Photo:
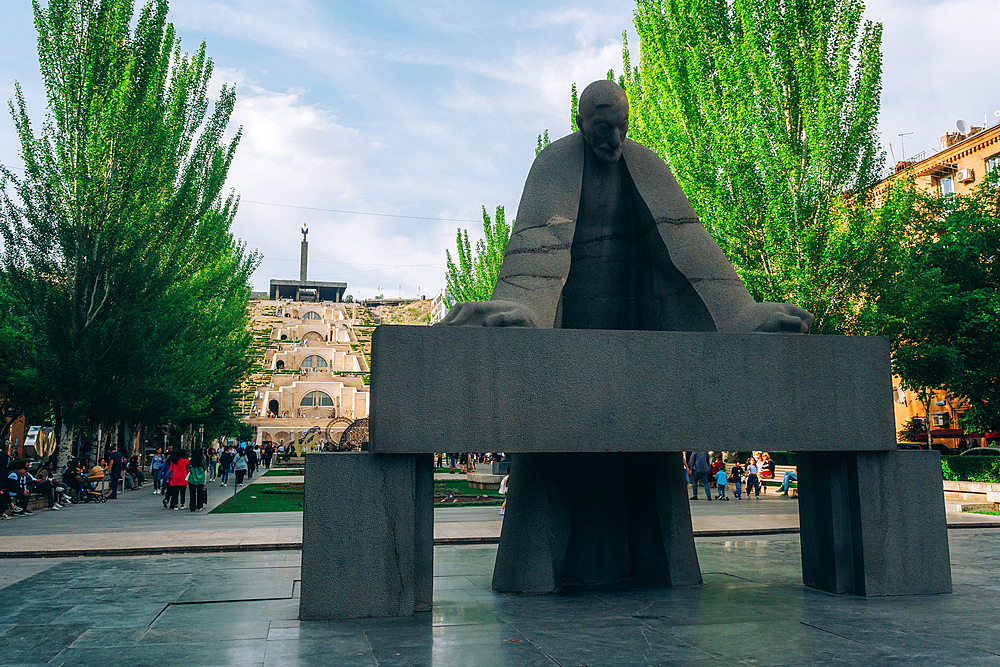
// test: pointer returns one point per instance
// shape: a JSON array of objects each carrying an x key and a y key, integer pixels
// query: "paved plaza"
[
  {"x": 242, "y": 609},
  {"x": 136, "y": 523},
  {"x": 237, "y": 607}
]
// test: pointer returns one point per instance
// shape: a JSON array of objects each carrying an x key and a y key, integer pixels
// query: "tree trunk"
[{"x": 65, "y": 446}]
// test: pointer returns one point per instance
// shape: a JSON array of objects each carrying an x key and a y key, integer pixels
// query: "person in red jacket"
[{"x": 178, "y": 478}]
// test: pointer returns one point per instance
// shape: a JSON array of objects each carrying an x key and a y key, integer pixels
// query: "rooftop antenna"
[
  {"x": 997, "y": 113},
  {"x": 902, "y": 148},
  {"x": 962, "y": 126}
]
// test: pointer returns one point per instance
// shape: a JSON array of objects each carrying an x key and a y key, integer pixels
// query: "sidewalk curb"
[{"x": 438, "y": 541}]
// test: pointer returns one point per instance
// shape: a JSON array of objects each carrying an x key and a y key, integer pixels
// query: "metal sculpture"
[{"x": 355, "y": 437}]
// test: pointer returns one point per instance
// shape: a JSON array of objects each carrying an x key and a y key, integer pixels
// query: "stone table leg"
[
  {"x": 367, "y": 539},
  {"x": 873, "y": 523}
]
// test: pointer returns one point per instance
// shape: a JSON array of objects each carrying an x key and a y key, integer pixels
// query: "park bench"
[{"x": 775, "y": 482}]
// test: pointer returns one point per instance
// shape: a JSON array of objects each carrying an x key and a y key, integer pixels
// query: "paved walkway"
[
  {"x": 136, "y": 523},
  {"x": 242, "y": 609}
]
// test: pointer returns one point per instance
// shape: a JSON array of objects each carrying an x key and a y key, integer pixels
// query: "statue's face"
[{"x": 604, "y": 127}]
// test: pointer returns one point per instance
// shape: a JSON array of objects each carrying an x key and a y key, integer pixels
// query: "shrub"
[{"x": 971, "y": 468}]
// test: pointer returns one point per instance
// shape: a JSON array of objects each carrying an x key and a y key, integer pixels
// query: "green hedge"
[{"x": 971, "y": 468}]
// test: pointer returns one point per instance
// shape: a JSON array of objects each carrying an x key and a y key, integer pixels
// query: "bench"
[{"x": 779, "y": 475}]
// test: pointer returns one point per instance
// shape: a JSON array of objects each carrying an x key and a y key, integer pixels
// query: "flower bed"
[{"x": 286, "y": 489}]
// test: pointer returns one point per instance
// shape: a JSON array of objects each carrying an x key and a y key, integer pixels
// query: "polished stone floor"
[{"x": 241, "y": 609}]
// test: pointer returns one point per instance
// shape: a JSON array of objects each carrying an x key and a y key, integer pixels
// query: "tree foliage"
[
  {"x": 475, "y": 275},
  {"x": 117, "y": 248},
  {"x": 943, "y": 310},
  {"x": 767, "y": 111}
]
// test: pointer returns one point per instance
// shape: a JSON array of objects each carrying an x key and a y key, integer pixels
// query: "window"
[
  {"x": 946, "y": 186},
  {"x": 941, "y": 419},
  {"x": 316, "y": 399},
  {"x": 311, "y": 315},
  {"x": 992, "y": 162},
  {"x": 314, "y": 361}
]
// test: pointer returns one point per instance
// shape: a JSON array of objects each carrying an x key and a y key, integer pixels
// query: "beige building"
[
  {"x": 960, "y": 165},
  {"x": 317, "y": 373}
]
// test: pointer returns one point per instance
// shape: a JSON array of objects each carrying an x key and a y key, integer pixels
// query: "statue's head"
[{"x": 603, "y": 119}]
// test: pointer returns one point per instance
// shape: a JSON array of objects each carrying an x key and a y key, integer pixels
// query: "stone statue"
[{"x": 606, "y": 239}]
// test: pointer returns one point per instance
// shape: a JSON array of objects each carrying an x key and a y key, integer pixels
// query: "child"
[
  {"x": 720, "y": 481},
  {"x": 737, "y": 474}
]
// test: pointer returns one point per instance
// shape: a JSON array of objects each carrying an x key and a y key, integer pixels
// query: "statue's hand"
[
  {"x": 773, "y": 318},
  {"x": 489, "y": 314}
]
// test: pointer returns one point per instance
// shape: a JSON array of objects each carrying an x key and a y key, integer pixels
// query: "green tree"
[
  {"x": 21, "y": 392},
  {"x": 767, "y": 111},
  {"x": 475, "y": 275},
  {"x": 944, "y": 313},
  {"x": 116, "y": 239}
]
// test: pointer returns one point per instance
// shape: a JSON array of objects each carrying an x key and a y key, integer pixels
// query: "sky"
[{"x": 431, "y": 110}]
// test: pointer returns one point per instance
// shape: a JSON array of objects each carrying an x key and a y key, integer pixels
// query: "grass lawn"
[
  {"x": 252, "y": 498},
  {"x": 289, "y": 472},
  {"x": 990, "y": 512},
  {"x": 464, "y": 496}
]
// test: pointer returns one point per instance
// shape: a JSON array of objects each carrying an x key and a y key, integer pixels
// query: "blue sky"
[{"x": 432, "y": 109}]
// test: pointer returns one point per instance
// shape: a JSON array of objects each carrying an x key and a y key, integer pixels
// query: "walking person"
[
  {"x": 240, "y": 467},
  {"x": 225, "y": 464},
  {"x": 251, "y": 461},
  {"x": 178, "y": 478},
  {"x": 736, "y": 475},
  {"x": 753, "y": 482},
  {"x": 210, "y": 460},
  {"x": 699, "y": 465},
  {"x": 156, "y": 469},
  {"x": 197, "y": 468},
  {"x": 117, "y": 466},
  {"x": 720, "y": 483},
  {"x": 504, "y": 487}
]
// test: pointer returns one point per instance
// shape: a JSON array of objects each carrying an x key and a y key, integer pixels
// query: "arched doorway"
[
  {"x": 273, "y": 406},
  {"x": 313, "y": 336},
  {"x": 279, "y": 365}
]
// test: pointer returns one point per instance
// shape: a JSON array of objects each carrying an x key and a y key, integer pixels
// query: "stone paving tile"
[{"x": 206, "y": 610}]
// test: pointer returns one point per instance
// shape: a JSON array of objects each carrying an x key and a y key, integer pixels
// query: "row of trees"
[
  {"x": 767, "y": 113},
  {"x": 123, "y": 294}
]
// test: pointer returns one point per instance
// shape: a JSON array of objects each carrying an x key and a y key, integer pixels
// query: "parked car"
[
  {"x": 982, "y": 451},
  {"x": 937, "y": 447}
]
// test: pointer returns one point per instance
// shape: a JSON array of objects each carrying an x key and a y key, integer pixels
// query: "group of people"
[
  {"x": 177, "y": 474},
  {"x": 466, "y": 463},
  {"x": 78, "y": 482},
  {"x": 700, "y": 470}
]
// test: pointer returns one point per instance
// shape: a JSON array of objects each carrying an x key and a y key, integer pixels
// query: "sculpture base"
[
  {"x": 873, "y": 523},
  {"x": 367, "y": 535},
  {"x": 593, "y": 519}
]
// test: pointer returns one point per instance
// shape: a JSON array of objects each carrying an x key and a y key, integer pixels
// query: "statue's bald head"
[{"x": 603, "y": 119}]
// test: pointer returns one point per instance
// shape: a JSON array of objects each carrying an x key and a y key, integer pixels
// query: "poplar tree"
[
  {"x": 475, "y": 275},
  {"x": 766, "y": 111},
  {"x": 116, "y": 239}
]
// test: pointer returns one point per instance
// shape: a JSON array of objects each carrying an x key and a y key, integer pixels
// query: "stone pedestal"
[
  {"x": 367, "y": 535},
  {"x": 593, "y": 519},
  {"x": 873, "y": 523}
]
